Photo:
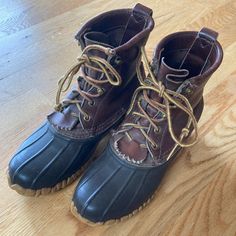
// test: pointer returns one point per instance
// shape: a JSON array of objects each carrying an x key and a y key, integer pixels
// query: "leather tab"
[
  {"x": 136, "y": 21},
  {"x": 208, "y": 34},
  {"x": 143, "y": 10},
  {"x": 172, "y": 78},
  {"x": 202, "y": 45}
]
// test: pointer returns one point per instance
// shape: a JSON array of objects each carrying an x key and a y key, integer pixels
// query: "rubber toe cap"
[
  {"x": 47, "y": 158},
  {"x": 112, "y": 188}
]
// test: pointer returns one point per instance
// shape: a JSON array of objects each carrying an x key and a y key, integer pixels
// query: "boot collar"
[
  {"x": 180, "y": 41},
  {"x": 140, "y": 18}
]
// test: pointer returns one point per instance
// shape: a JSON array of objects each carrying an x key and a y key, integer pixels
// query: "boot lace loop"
[
  {"x": 95, "y": 63},
  {"x": 171, "y": 99}
]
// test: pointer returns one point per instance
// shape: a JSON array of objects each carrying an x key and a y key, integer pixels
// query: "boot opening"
[
  {"x": 185, "y": 50},
  {"x": 118, "y": 26}
]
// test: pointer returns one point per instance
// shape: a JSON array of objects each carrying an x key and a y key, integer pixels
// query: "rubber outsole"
[{"x": 109, "y": 222}]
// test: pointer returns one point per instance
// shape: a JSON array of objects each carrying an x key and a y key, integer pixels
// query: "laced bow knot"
[
  {"x": 171, "y": 99},
  {"x": 84, "y": 59},
  {"x": 95, "y": 63}
]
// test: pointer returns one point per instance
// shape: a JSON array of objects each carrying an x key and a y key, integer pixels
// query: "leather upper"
[
  {"x": 183, "y": 62},
  {"x": 125, "y": 31}
]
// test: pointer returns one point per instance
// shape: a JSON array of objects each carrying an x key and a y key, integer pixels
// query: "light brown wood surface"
[{"x": 197, "y": 195}]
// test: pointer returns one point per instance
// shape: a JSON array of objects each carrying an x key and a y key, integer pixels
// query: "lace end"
[{"x": 58, "y": 107}]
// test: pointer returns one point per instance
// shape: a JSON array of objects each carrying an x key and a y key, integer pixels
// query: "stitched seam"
[{"x": 89, "y": 132}]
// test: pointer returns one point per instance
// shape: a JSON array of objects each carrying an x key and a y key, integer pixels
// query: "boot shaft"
[
  {"x": 118, "y": 36},
  {"x": 184, "y": 62},
  {"x": 166, "y": 109},
  {"x": 123, "y": 30}
]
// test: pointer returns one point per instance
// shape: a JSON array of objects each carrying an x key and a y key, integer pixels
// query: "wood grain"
[{"x": 198, "y": 194}]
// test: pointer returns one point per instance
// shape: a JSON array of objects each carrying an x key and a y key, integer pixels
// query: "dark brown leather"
[
  {"x": 125, "y": 31},
  {"x": 180, "y": 70}
]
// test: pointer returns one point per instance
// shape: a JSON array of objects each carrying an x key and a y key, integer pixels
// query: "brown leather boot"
[
  {"x": 164, "y": 112},
  {"x": 52, "y": 157}
]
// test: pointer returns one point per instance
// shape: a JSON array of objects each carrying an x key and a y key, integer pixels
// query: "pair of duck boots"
[{"x": 150, "y": 110}]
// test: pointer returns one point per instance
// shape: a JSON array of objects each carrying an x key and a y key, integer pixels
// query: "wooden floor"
[{"x": 198, "y": 194}]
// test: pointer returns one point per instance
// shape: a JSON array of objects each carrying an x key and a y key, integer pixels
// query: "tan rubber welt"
[
  {"x": 109, "y": 222},
  {"x": 46, "y": 191}
]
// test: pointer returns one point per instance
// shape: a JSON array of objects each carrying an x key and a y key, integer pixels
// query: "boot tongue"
[
  {"x": 171, "y": 78},
  {"x": 96, "y": 38},
  {"x": 66, "y": 120}
]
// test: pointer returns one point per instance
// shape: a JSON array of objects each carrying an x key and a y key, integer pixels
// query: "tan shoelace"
[
  {"x": 170, "y": 99},
  {"x": 92, "y": 62}
]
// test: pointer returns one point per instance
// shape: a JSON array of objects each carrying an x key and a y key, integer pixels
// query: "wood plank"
[
  {"x": 196, "y": 197},
  {"x": 17, "y": 15}
]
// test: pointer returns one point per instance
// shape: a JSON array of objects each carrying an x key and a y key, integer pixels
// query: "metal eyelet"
[
  {"x": 188, "y": 90},
  {"x": 157, "y": 131},
  {"x": 111, "y": 51},
  {"x": 117, "y": 61},
  {"x": 101, "y": 91},
  {"x": 140, "y": 99},
  {"x": 87, "y": 118},
  {"x": 163, "y": 115},
  {"x": 92, "y": 103},
  {"x": 155, "y": 146}
]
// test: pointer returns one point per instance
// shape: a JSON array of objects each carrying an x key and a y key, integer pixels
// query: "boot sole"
[
  {"x": 61, "y": 185},
  {"x": 109, "y": 222}
]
